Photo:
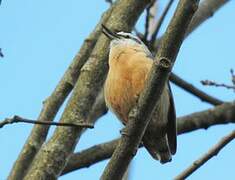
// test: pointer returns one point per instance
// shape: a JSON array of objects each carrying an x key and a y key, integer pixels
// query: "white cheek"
[{"x": 114, "y": 43}]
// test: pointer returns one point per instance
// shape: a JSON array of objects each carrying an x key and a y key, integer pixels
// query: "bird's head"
[{"x": 124, "y": 39}]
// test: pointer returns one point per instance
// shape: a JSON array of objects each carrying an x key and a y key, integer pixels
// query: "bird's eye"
[{"x": 130, "y": 37}]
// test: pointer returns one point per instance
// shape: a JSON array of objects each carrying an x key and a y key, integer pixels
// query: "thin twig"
[
  {"x": 160, "y": 21},
  {"x": 152, "y": 21},
  {"x": 232, "y": 76},
  {"x": 215, "y": 84},
  {"x": 193, "y": 90},
  {"x": 147, "y": 21},
  {"x": 17, "y": 119},
  {"x": 202, "y": 160}
]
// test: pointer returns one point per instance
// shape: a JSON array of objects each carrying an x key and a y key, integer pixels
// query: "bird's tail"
[{"x": 157, "y": 147}]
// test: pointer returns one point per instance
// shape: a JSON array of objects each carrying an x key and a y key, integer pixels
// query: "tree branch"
[
  {"x": 215, "y": 84},
  {"x": 218, "y": 115},
  {"x": 202, "y": 14},
  {"x": 147, "y": 21},
  {"x": 207, "y": 156},
  {"x": 193, "y": 90},
  {"x": 51, "y": 158},
  {"x": 206, "y": 10},
  {"x": 232, "y": 76},
  {"x": 90, "y": 156},
  {"x": 157, "y": 79},
  {"x": 17, "y": 119},
  {"x": 153, "y": 13},
  {"x": 221, "y": 114},
  {"x": 98, "y": 109},
  {"x": 160, "y": 21}
]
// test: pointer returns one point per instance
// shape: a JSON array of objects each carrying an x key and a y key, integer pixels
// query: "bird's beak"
[{"x": 110, "y": 34}]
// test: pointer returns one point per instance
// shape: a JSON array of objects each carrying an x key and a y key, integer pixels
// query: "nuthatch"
[{"x": 130, "y": 62}]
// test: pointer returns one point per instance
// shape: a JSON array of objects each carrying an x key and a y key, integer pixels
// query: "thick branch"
[
  {"x": 193, "y": 90},
  {"x": 98, "y": 109},
  {"x": 51, "y": 158},
  {"x": 90, "y": 156},
  {"x": 207, "y": 156},
  {"x": 52, "y": 104},
  {"x": 221, "y": 114},
  {"x": 165, "y": 58}
]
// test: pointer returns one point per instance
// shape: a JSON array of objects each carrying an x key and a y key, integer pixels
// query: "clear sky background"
[{"x": 39, "y": 40}]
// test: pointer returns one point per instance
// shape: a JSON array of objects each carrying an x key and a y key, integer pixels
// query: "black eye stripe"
[{"x": 136, "y": 40}]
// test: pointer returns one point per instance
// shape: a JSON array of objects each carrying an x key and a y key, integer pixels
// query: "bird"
[{"x": 130, "y": 62}]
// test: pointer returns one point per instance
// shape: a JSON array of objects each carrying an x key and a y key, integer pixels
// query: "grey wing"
[{"x": 171, "y": 124}]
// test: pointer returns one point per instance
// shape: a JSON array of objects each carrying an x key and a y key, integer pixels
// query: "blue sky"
[{"x": 39, "y": 40}]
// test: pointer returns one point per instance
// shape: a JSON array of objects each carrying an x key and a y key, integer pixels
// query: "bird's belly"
[{"x": 119, "y": 97}]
